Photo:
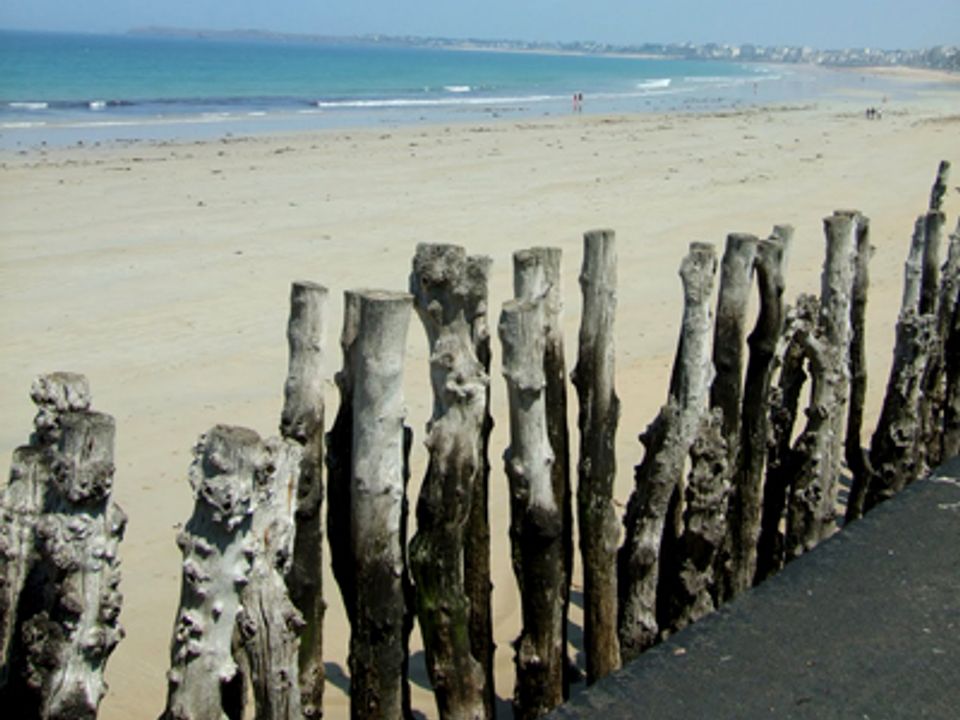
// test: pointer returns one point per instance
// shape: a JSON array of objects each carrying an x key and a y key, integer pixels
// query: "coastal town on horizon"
[{"x": 939, "y": 57}]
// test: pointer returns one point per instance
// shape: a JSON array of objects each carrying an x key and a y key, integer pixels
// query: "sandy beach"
[{"x": 162, "y": 272}]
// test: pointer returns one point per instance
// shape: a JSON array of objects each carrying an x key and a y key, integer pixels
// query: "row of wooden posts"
[{"x": 726, "y": 493}]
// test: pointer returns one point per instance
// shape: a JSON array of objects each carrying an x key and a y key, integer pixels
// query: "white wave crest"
[
  {"x": 655, "y": 84},
  {"x": 97, "y": 104},
  {"x": 457, "y": 88},
  {"x": 28, "y": 105}
]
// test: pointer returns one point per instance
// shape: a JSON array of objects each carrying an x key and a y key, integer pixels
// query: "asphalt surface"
[{"x": 866, "y": 626}]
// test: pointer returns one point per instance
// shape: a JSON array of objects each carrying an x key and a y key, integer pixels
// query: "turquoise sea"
[{"x": 66, "y": 88}]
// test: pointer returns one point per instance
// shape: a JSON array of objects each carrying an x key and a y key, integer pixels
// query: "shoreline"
[
  {"x": 161, "y": 270},
  {"x": 780, "y": 84}
]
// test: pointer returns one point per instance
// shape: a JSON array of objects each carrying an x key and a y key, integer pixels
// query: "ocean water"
[{"x": 65, "y": 88}]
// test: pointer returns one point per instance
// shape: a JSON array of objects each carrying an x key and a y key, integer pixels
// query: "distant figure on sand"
[{"x": 577, "y": 102}]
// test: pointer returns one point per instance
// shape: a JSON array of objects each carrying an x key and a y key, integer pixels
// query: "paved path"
[{"x": 867, "y": 626}]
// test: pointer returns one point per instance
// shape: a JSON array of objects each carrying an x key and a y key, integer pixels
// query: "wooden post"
[
  {"x": 893, "y": 449},
  {"x": 23, "y": 501},
  {"x": 736, "y": 278},
  {"x": 61, "y": 530},
  {"x": 747, "y": 466},
  {"x": 537, "y": 274},
  {"x": 378, "y": 639},
  {"x": 693, "y": 589},
  {"x": 932, "y": 390},
  {"x": 302, "y": 421},
  {"x": 940, "y": 186},
  {"x": 476, "y": 559},
  {"x": 666, "y": 442},
  {"x": 204, "y": 680},
  {"x": 781, "y": 462},
  {"x": 454, "y": 440},
  {"x": 536, "y": 515},
  {"x": 339, "y": 461},
  {"x": 854, "y": 452},
  {"x": 268, "y": 621},
  {"x": 597, "y": 467},
  {"x": 950, "y": 330},
  {"x": 820, "y": 448}
]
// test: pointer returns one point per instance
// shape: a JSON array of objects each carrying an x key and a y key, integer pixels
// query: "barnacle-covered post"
[
  {"x": 204, "y": 680},
  {"x": 61, "y": 530}
]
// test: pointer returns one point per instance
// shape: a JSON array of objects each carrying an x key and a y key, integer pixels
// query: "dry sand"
[{"x": 162, "y": 272}]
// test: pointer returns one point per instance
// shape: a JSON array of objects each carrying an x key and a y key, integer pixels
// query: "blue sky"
[{"x": 819, "y": 23}]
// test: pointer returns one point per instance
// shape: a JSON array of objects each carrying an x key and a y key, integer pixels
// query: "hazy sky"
[{"x": 819, "y": 23}]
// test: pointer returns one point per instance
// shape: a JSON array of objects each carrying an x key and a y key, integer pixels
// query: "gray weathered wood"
[
  {"x": 950, "y": 332},
  {"x": 784, "y": 406},
  {"x": 812, "y": 508},
  {"x": 693, "y": 591},
  {"x": 854, "y": 452},
  {"x": 59, "y": 570},
  {"x": 736, "y": 278},
  {"x": 339, "y": 460},
  {"x": 940, "y": 186},
  {"x": 268, "y": 621},
  {"x": 666, "y": 442},
  {"x": 378, "y": 650},
  {"x": 476, "y": 560},
  {"x": 537, "y": 273},
  {"x": 536, "y": 513},
  {"x": 218, "y": 548},
  {"x": 894, "y": 452},
  {"x": 302, "y": 421},
  {"x": 599, "y": 414},
  {"x": 747, "y": 466},
  {"x": 440, "y": 289}
]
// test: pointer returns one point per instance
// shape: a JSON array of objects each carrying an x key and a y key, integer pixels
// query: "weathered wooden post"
[
  {"x": 693, "y": 589},
  {"x": 302, "y": 422},
  {"x": 747, "y": 499},
  {"x": 439, "y": 286},
  {"x": 204, "y": 680},
  {"x": 854, "y": 452},
  {"x": 597, "y": 468},
  {"x": 536, "y": 515},
  {"x": 269, "y": 623},
  {"x": 950, "y": 327},
  {"x": 813, "y": 500},
  {"x": 378, "y": 650},
  {"x": 781, "y": 460},
  {"x": 736, "y": 278},
  {"x": 339, "y": 461},
  {"x": 476, "y": 543},
  {"x": 59, "y": 571},
  {"x": 537, "y": 274},
  {"x": 666, "y": 441},
  {"x": 894, "y": 452}
]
